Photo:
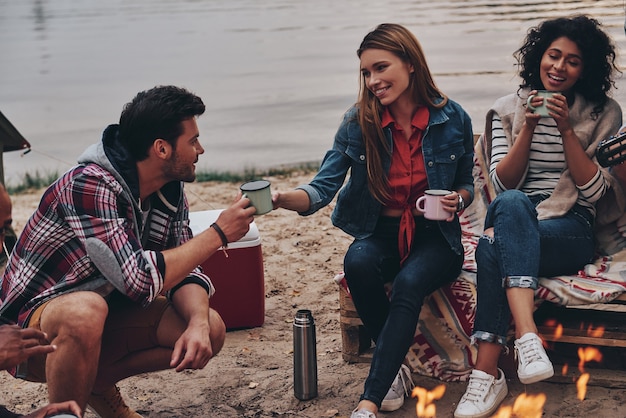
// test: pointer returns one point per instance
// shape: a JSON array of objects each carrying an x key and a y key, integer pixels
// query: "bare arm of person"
[
  {"x": 193, "y": 349},
  {"x": 234, "y": 222},
  {"x": 297, "y": 200},
  {"x": 582, "y": 168}
]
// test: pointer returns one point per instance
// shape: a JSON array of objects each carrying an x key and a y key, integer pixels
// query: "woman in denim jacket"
[{"x": 402, "y": 137}]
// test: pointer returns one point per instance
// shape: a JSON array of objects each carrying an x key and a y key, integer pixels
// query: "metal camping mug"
[
  {"x": 260, "y": 195},
  {"x": 430, "y": 205},
  {"x": 541, "y": 110},
  {"x": 304, "y": 356}
]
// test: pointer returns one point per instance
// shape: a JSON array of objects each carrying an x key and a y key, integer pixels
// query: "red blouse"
[{"x": 407, "y": 176}]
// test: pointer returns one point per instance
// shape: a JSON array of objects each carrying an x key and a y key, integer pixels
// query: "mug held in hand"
[
  {"x": 260, "y": 195},
  {"x": 432, "y": 208},
  {"x": 541, "y": 110}
]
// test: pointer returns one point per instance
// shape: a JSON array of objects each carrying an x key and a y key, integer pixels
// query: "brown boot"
[{"x": 109, "y": 404}]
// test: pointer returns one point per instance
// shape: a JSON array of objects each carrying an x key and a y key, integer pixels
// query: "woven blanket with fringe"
[{"x": 441, "y": 346}]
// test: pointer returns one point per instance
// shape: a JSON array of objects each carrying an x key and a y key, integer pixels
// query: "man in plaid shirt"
[{"x": 107, "y": 266}]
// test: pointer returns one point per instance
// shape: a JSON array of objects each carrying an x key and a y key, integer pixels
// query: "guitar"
[{"x": 612, "y": 151}]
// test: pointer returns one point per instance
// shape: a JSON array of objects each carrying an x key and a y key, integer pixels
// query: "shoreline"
[{"x": 34, "y": 182}]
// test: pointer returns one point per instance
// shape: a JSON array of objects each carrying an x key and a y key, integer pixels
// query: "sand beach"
[{"x": 252, "y": 376}]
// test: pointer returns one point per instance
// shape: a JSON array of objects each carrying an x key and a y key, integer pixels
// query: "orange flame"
[
  {"x": 588, "y": 354},
  {"x": 564, "y": 369},
  {"x": 525, "y": 406},
  {"x": 581, "y": 386},
  {"x": 529, "y": 406},
  {"x": 596, "y": 333},
  {"x": 558, "y": 331},
  {"x": 503, "y": 412},
  {"x": 425, "y": 407},
  {"x": 585, "y": 355}
]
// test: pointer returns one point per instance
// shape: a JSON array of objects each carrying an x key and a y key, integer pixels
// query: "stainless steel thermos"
[{"x": 304, "y": 356}]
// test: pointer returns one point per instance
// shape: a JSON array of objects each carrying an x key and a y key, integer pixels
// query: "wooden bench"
[
  {"x": 583, "y": 326},
  {"x": 356, "y": 342}
]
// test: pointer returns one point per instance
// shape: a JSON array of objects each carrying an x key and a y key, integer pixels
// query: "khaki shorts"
[{"x": 128, "y": 328}]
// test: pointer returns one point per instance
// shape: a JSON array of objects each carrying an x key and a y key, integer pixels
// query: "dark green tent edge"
[{"x": 10, "y": 137}]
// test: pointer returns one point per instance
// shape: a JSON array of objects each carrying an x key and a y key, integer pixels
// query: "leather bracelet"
[{"x": 221, "y": 233}]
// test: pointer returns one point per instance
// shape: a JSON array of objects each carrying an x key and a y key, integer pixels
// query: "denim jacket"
[{"x": 448, "y": 149}]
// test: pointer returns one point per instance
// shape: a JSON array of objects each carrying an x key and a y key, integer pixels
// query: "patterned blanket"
[{"x": 441, "y": 346}]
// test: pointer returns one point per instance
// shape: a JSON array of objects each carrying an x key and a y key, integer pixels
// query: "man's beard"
[{"x": 175, "y": 170}]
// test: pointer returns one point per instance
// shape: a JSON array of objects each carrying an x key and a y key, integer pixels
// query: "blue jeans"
[
  {"x": 374, "y": 261},
  {"x": 521, "y": 250}
]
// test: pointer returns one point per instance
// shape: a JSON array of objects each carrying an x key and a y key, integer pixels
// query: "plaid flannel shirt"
[{"x": 88, "y": 212}]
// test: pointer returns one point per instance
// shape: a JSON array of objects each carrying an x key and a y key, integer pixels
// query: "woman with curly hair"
[{"x": 550, "y": 192}]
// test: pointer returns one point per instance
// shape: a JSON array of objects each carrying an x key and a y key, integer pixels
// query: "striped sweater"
[
  {"x": 510, "y": 111},
  {"x": 546, "y": 164}
]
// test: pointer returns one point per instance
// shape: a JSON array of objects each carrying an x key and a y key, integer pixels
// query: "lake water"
[{"x": 275, "y": 75}]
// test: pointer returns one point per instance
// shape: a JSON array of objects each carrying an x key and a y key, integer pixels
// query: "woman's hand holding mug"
[{"x": 438, "y": 205}]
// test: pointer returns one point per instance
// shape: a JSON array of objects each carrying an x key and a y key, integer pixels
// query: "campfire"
[
  {"x": 585, "y": 355},
  {"x": 525, "y": 405},
  {"x": 425, "y": 407},
  {"x": 531, "y": 406}
]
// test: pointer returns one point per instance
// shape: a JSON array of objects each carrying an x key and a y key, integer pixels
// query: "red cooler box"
[{"x": 239, "y": 280}]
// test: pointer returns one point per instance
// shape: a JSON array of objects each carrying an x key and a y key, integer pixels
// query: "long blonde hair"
[{"x": 401, "y": 42}]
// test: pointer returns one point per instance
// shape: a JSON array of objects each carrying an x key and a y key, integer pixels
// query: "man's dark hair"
[{"x": 156, "y": 113}]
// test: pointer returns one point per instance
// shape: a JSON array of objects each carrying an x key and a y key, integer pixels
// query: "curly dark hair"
[
  {"x": 156, "y": 113},
  {"x": 598, "y": 55}
]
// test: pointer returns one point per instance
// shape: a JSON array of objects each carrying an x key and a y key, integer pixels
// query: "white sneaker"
[
  {"x": 362, "y": 413},
  {"x": 483, "y": 395},
  {"x": 401, "y": 387},
  {"x": 533, "y": 364}
]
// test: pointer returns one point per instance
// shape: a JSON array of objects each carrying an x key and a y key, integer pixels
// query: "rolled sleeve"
[{"x": 315, "y": 199}]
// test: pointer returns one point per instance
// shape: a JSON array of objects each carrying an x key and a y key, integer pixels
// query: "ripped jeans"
[{"x": 521, "y": 250}]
